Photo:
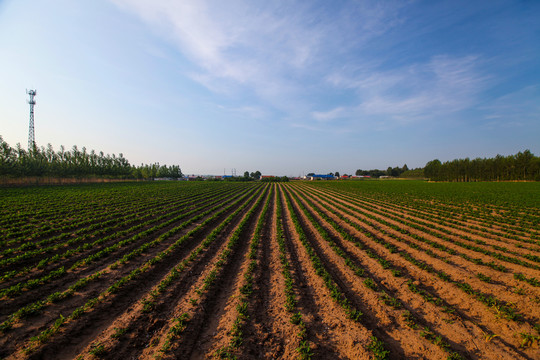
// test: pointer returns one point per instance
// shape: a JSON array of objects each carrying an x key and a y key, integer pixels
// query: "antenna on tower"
[{"x": 32, "y": 102}]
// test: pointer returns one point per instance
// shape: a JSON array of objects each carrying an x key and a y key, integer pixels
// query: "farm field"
[{"x": 322, "y": 270}]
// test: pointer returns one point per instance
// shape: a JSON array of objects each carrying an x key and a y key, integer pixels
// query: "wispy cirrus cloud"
[
  {"x": 516, "y": 109},
  {"x": 277, "y": 50},
  {"x": 443, "y": 85},
  {"x": 288, "y": 53},
  {"x": 233, "y": 41},
  {"x": 251, "y": 112},
  {"x": 335, "y": 113}
]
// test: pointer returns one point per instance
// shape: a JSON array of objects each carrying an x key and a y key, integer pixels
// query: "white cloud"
[
  {"x": 335, "y": 113},
  {"x": 285, "y": 52},
  {"x": 307, "y": 127},
  {"x": 234, "y": 40},
  {"x": 269, "y": 48},
  {"x": 251, "y": 112},
  {"x": 419, "y": 91},
  {"x": 516, "y": 109}
]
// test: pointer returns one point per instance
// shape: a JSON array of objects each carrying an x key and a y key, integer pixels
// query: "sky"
[{"x": 283, "y": 87}]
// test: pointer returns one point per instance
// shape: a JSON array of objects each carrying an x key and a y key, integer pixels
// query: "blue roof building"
[{"x": 321, "y": 177}]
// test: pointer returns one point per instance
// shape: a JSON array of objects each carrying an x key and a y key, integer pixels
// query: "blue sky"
[{"x": 284, "y": 87}]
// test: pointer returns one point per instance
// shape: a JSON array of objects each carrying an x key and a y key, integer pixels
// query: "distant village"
[{"x": 310, "y": 177}]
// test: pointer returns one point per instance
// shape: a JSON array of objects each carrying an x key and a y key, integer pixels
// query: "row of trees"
[
  {"x": 276, "y": 179},
  {"x": 156, "y": 171},
  {"x": 44, "y": 161},
  {"x": 522, "y": 166},
  {"x": 253, "y": 175},
  {"x": 247, "y": 177},
  {"x": 375, "y": 173}
]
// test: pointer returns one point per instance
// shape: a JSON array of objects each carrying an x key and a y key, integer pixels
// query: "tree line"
[
  {"x": 522, "y": 166},
  {"x": 275, "y": 179},
  {"x": 255, "y": 176},
  {"x": 391, "y": 171},
  {"x": 79, "y": 163}
]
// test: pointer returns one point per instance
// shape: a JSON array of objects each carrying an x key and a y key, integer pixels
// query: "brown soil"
[
  {"x": 438, "y": 312},
  {"x": 119, "y": 302},
  {"x": 457, "y": 328}
]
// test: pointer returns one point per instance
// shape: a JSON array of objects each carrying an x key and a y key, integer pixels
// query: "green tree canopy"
[{"x": 44, "y": 161}]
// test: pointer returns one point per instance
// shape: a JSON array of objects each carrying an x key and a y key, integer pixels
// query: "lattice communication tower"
[{"x": 31, "y": 137}]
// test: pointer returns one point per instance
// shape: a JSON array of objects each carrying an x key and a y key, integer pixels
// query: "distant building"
[{"x": 320, "y": 177}]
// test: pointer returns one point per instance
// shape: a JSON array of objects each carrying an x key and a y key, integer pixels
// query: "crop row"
[
  {"x": 133, "y": 275},
  {"x": 215, "y": 209},
  {"x": 118, "y": 240},
  {"x": 369, "y": 226},
  {"x": 369, "y": 281}
]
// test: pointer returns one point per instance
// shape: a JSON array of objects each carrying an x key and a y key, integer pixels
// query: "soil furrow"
[
  {"x": 454, "y": 325},
  {"x": 268, "y": 334},
  {"x": 384, "y": 321},
  {"x": 141, "y": 328},
  {"x": 126, "y": 297},
  {"x": 205, "y": 307},
  {"x": 333, "y": 334},
  {"x": 446, "y": 291}
]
